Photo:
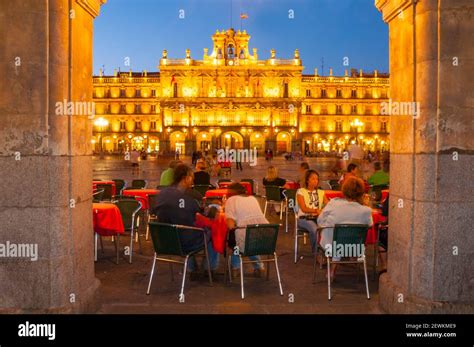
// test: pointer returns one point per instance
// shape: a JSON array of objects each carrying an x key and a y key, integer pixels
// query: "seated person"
[
  {"x": 379, "y": 177},
  {"x": 272, "y": 179},
  {"x": 175, "y": 205},
  {"x": 201, "y": 176},
  {"x": 166, "y": 178},
  {"x": 347, "y": 210},
  {"x": 352, "y": 171},
  {"x": 310, "y": 201},
  {"x": 241, "y": 210}
]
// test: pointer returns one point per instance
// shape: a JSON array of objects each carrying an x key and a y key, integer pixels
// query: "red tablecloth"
[
  {"x": 371, "y": 233},
  {"x": 217, "y": 193},
  {"x": 247, "y": 185},
  {"x": 291, "y": 185},
  {"x": 224, "y": 164},
  {"x": 331, "y": 194},
  {"x": 218, "y": 228},
  {"x": 143, "y": 193},
  {"x": 95, "y": 183},
  {"x": 106, "y": 219}
]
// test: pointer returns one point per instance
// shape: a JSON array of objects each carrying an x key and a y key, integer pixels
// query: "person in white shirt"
[
  {"x": 347, "y": 210},
  {"x": 242, "y": 210},
  {"x": 309, "y": 201},
  {"x": 356, "y": 152}
]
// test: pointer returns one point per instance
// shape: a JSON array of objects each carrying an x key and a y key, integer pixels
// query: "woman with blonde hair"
[{"x": 272, "y": 179}]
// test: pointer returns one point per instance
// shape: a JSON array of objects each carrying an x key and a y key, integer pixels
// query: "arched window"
[
  {"x": 242, "y": 54},
  {"x": 230, "y": 51}
]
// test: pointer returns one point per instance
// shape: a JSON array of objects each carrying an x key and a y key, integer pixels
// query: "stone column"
[
  {"x": 45, "y": 155},
  {"x": 431, "y": 244}
]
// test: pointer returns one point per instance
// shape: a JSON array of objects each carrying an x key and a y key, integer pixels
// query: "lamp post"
[
  {"x": 101, "y": 124},
  {"x": 357, "y": 124}
]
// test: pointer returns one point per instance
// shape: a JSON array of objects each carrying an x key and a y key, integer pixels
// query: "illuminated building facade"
[{"x": 231, "y": 98}]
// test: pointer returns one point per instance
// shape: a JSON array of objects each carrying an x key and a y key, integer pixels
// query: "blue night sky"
[{"x": 333, "y": 29}]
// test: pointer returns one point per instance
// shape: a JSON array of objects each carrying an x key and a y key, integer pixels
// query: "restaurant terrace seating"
[
  {"x": 260, "y": 239},
  {"x": 166, "y": 243}
]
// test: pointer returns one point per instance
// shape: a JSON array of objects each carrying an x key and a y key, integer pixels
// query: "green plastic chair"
[
  {"x": 107, "y": 188},
  {"x": 166, "y": 242},
  {"x": 290, "y": 196},
  {"x": 299, "y": 232},
  {"x": 351, "y": 237},
  {"x": 152, "y": 202},
  {"x": 129, "y": 210},
  {"x": 139, "y": 184},
  {"x": 202, "y": 188},
  {"x": 325, "y": 185},
  {"x": 334, "y": 184},
  {"x": 260, "y": 239},
  {"x": 97, "y": 196},
  {"x": 273, "y": 197},
  {"x": 119, "y": 185}
]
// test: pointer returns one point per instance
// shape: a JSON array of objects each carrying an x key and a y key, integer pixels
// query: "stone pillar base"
[
  {"x": 389, "y": 301},
  {"x": 88, "y": 303}
]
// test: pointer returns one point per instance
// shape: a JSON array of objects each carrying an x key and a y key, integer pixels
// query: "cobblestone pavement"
[{"x": 123, "y": 286}]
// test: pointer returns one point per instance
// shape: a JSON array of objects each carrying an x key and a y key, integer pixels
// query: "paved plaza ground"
[{"x": 123, "y": 286}]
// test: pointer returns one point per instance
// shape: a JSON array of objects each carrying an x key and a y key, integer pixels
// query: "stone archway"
[
  {"x": 430, "y": 268},
  {"x": 232, "y": 139},
  {"x": 283, "y": 142}
]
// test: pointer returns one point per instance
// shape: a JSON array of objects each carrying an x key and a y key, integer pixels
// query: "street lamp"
[{"x": 101, "y": 124}]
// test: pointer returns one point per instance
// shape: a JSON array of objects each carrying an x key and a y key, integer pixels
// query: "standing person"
[
  {"x": 194, "y": 158},
  {"x": 356, "y": 153},
  {"x": 176, "y": 154},
  {"x": 310, "y": 201},
  {"x": 175, "y": 205},
  {"x": 143, "y": 154},
  {"x": 242, "y": 210},
  {"x": 271, "y": 154},
  {"x": 134, "y": 156},
  {"x": 347, "y": 210},
  {"x": 238, "y": 162}
]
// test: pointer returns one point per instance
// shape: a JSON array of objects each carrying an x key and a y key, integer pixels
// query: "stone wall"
[
  {"x": 45, "y": 158},
  {"x": 431, "y": 252}
]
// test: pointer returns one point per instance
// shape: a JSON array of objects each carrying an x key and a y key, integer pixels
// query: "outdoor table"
[
  {"x": 218, "y": 228},
  {"x": 246, "y": 185},
  {"x": 112, "y": 183},
  {"x": 106, "y": 219},
  {"x": 217, "y": 193},
  {"x": 291, "y": 185},
  {"x": 143, "y": 194},
  {"x": 331, "y": 194}
]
